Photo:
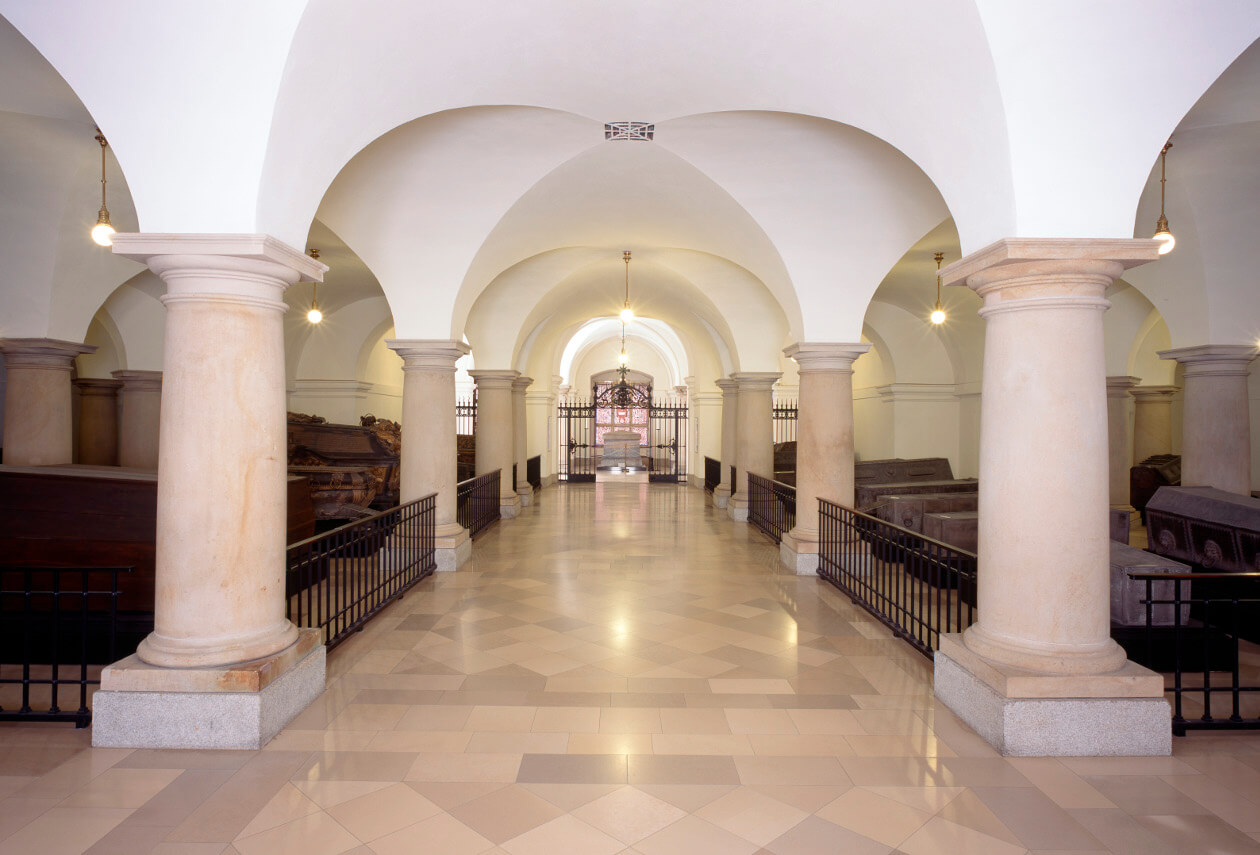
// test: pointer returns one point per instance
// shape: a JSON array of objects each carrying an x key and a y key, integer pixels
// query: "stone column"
[
  {"x": 38, "y": 420},
  {"x": 496, "y": 447},
  {"x": 730, "y": 422},
  {"x": 1038, "y": 673},
  {"x": 553, "y": 431},
  {"x": 98, "y": 421},
  {"x": 754, "y": 435},
  {"x": 429, "y": 451},
  {"x": 1119, "y": 439},
  {"x": 223, "y": 667},
  {"x": 520, "y": 439},
  {"x": 540, "y": 408},
  {"x": 139, "y": 414},
  {"x": 824, "y": 443},
  {"x": 1152, "y": 421},
  {"x": 1215, "y": 417}
]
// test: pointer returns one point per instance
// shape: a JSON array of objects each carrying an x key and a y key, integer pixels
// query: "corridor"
[{"x": 622, "y": 669}]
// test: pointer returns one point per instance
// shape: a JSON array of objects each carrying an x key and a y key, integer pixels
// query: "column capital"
[
  {"x": 501, "y": 378},
  {"x": 825, "y": 356},
  {"x": 1219, "y": 360},
  {"x": 1120, "y": 386},
  {"x": 755, "y": 381},
  {"x": 142, "y": 246},
  {"x": 98, "y": 386},
  {"x": 48, "y": 353},
  {"x": 520, "y": 384},
  {"x": 728, "y": 387},
  {"x": 1154, "y": 393},
  {"x": 428, "y": 354},
  {"x": 139, "y": 379}
]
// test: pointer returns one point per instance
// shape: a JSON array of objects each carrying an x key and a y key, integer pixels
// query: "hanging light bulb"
[
  {"x": 314, "y": 316},
  {"x": 624, "y": 358},
  {"x": 938, "y": 314},
  {"x": 1162, "y": 234},
  {"x": 103, "y": 231},
  {"x": 627, "y": 314}
]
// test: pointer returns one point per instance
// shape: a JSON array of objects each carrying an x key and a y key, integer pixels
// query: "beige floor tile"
[
  {"x": 368, "y": 717},
  {"x": 355, "y": 766},
  {"x": 875, "y": 816},
  {"x": 287, "y": 805},
  {"x": 122, "y": 788},
  {"x": 927, "y": 799},
  {"x": 611, "y": 743},
  {"x": 752, "y": 815},
  {"x": 969, "y": 810},
  {"x": 691, "y": 835},
  {"x": 1067, "y": 789},
  {"x": 517, "y": 719},
  {"x": 419, "y": 741},
  {"x": 1036, "y": 821},
  {"x": 722, "y": 686},
  {"x": 564, "y": 834},
  {"x": 506, "y": 813},
  {"x": 449, "y": 796},
  {"x": 942, "y": 837},
  {"x": 315, "y": 834},
  {"x": 629, "y": 720},
  {"x": 329, "y": 793},
  {"x": 791, "y": 770},
  {"x": 814, "y": 836},
  {"x": 65, "y": 830},
  {"x": 518, "y": 743},
  {"x": 825, "y": 721},
  {"x": 439, "y": 833},
  {"x": 686, "y": 720},
  {"x": 464, "y": 767},
  {"x": 437, "y": 717},
  {"x": 798, "y": 745},
  {"x": 569, "y": 797},
  {"x": 565, "y": 720},
  {"x": 760, "y": 721},
  {"x": 572, "y": 769},
  {"x": 383, "y": 812},
  {"x": 629, "y": 814}
]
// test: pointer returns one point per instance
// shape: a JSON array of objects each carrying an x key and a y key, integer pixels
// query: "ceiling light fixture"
[
  {"x": 627, "y": 314},
  {"x": 314, "y": 316},
  {"x": 938, "y": 314},
  {"x": 1162, "y": 234},
  {"x": 103, "y": 231}
]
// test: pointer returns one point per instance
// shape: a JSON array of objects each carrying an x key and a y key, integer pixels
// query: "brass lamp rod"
[
  {"x": 100, "y": 138},
  {"x": 939, "y": 257},
  {"x": 1163, "y": 155}
]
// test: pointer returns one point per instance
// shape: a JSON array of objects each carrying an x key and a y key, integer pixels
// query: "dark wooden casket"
[
  {"x": 1162, "y": 470},
  {"x": 897, "y": 470},
  {"x": 959, "y": 529},
  {"x": 466, "y": 449},
  {"x": 907, "y": 511},
  {"x": 362, "y": 466},
  {"x": 870, "y": 495}
]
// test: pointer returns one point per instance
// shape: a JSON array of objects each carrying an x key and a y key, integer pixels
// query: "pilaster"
[
  {"x": 139, "y": 418},
  {"x": 98, "y": 421}
]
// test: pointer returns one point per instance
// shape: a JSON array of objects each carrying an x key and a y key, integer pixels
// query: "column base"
[
  {"x": 799, "y": 554},
  {"x": 721, "y": 496},
  {"x": 1028, "y": 714},
  {"x": 737, "y": 508},
  {"x": 526, "y": 495},
  {"x": 453, "y": 547},
  {"x": 238, "y": 706},
  {"x": 509, "y": 506}
]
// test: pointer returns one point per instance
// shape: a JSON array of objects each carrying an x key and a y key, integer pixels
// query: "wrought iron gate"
[
  {"x": 575, "y": 426},
  {"x": 667, "y": 441}
]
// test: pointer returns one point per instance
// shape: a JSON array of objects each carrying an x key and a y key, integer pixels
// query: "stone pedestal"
[
  {"x": 520, "y": 440},
  {"x": 1038, "y": 673},
  {"x": 1119, "y": 439},
  {"x": 98, "y": 421},
  {"x": 139, "y": 417},
  {"x": 219, "y": 602},
  {"x": 429, "y": 452},
  {"x": 754, "y": 435},
  {"x": 1215, "y": 416},
  {"x": 496, "y": 447},
  {"x": 38, "y": 419},
  {"x": 824, "y": 443},
  {"x": 730, "y": 420},
  {"x": 1152, "y": 421}
]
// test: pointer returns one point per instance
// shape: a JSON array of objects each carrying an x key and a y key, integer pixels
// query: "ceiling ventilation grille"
[{"x": 629, "y": 131}]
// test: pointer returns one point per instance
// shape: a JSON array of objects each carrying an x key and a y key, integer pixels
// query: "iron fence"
[
  {"x": 916, "y": 586},
  {"x": 785, "y": 415},
  {"x": 533, "y": 472},
  {"x": 771, "y": 506},
  {"x": 1203, "y": 653},
  {"x": 338, "y": 580},
  {"x": 477, "y": 502},
  {"x": 60, "y": 626},
  {"x": 712, "y": 474},
  {"x": 466, "y": 415}
]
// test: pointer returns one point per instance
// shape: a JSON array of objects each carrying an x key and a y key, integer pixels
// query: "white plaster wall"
[
  {"x": 603, "y": 357},
  {"x": 107, "y": 357}
]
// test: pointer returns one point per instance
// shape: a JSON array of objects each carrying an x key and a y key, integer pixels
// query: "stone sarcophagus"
[
  {"x": 959, "y": 529},
  {"x": 1128, "y": 595},
  {"x": 870, "y": 495},
  {"x": 1213, "y": 530},
  {"x": 1162, "y": 470},
  {"x": 908, "y": 511},
  {"x": 897, "y": 470}
]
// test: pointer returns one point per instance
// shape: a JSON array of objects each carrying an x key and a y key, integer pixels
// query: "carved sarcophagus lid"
[
  {"x": 907, "y": 510},
  {"x": 870, "y": 495},
  {"x": 898, "y": 470},
  {"x": 1206, "y": 527}
]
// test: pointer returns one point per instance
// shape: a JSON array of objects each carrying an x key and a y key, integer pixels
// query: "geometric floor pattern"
[{"x": 622, "y": 669}]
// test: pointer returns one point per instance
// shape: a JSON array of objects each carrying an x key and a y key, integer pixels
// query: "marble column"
[
  {"x": 1038, "y": 672},
  {"x": 824, "y": 443},
  {"x": 223, "y": 667},
  {"x": 429, "y": 452},
  {"x": 730, "y": 432},
  {"x": 1119, "y": 439},
  {"x": 98, "y": 421},
  {"x": 754, "y": 435},
  {"x": 496, "y": 446},
  {"x": 139, "y": 415},
  {"x": 1215, "y": 416},
  {"x": 38, "y": 412},
  {"x": 1152, "y": 421},
  {"x": 520, "y": 439}
]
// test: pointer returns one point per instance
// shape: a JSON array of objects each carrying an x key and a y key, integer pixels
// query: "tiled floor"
[{"x": 621, "y": 669}]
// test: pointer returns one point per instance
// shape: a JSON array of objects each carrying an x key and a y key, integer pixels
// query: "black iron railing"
[
  {"x": 533, "y": 472},
  {"x": 59, "y": 628},
  {"x": 477, "y": 502},
  {"x": 712, "y": 474},
  {"x": 916, "y": 586},
  {"x": 771, "y": 506},
  {"x": 466, "y": 415},
  {"x": 338, "y": 580},
  {"x": 1206, "y": 672}
]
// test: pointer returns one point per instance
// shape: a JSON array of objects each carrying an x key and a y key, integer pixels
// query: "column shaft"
[
  {"x": 730, "y": 421},
  {"x": 496, "y": 445},
  {"x": 520, "y": 439},
  {"x": 1152, "y": 421},
  {"x": 38, "y": 420},
  {"x": 139, "y": 418},
  {"x": 98, "y": 421},
  {"x": 754, "y": 435},
  {"x": 1215, "y": 416},
  {"x": 1119, "y": 439}
]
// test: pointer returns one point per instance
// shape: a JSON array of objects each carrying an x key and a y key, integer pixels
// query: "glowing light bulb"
[
  {"x": 938, "y": 316},
  {"x": 314, "y": 315},
  {"x": 103, "y": 234},
  {"x": 1166, "y": 240},
  {"x": 623, "y": 359},
  {"x": 627, "y": 315}
]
